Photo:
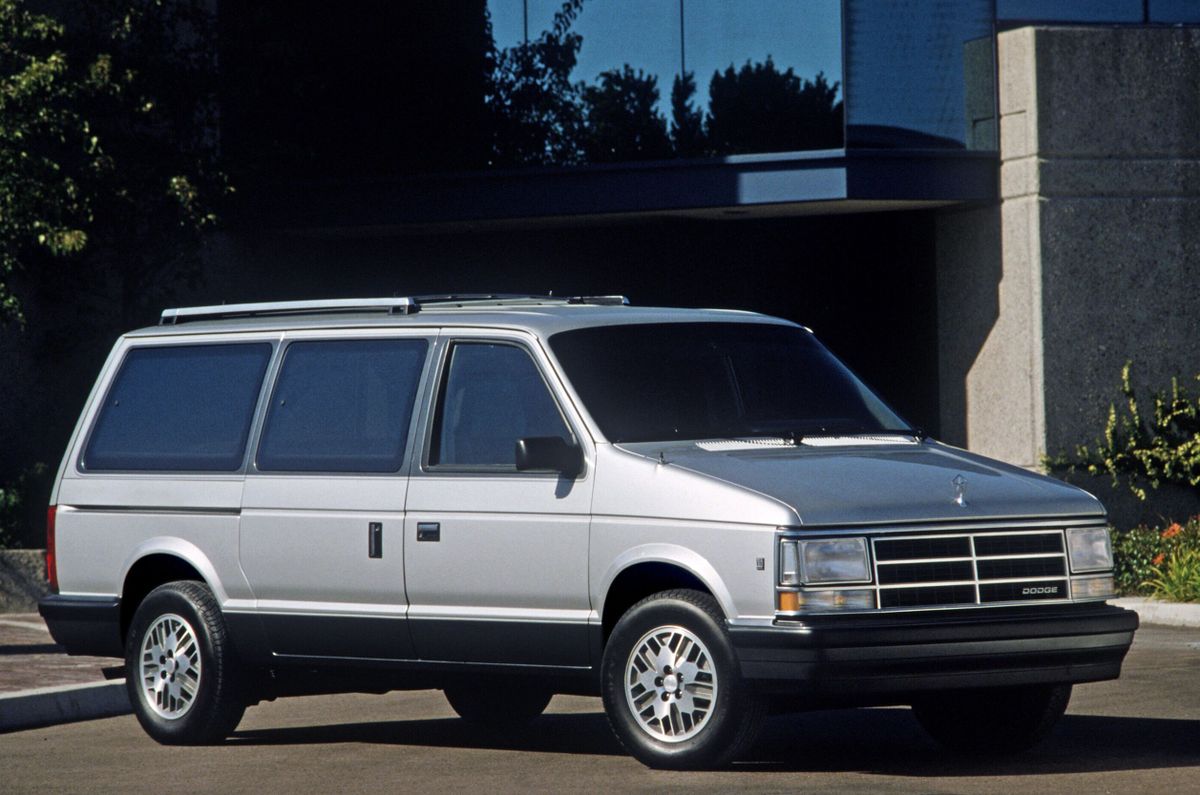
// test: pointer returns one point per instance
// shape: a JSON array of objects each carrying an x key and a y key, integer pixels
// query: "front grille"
[{"x": 971, "y": 569}]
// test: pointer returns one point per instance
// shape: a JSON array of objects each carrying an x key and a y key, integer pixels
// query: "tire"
[
  {"x": 180, "y": 669},
  {"x": 995, "y": 721},
  {"x": 498, "y": 704},
  {"x": 672, "y": 688}
]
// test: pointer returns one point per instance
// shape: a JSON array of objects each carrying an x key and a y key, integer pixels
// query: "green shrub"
[
  {"x": 1163, "y": 447},
  {"x": 10, "y": 508},
  {"x": 1133, "y": 555},
  {"x": 1145, "y": 554},
  {"x": 20, "y": 514},
  {"x": 1178, "y": 578}
]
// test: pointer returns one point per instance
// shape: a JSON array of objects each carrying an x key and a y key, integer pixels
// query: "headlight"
[
  {"x": 1090, "y": 549},
  {"x": 827, "y": 561},
  {"x": 835, "y": 560}
]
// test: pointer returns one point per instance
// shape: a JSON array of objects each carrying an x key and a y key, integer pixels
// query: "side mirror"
[{"x": 549, "y": 454}]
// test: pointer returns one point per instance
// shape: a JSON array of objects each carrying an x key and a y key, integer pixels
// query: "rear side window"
[
  {"x": 493, "y": 395},
  {"x": 342, "y": 406},
  {"x": 179, "y": 408}
]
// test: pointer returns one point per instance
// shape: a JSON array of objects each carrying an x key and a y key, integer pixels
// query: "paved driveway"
[{"x": 1140, "y": 734}]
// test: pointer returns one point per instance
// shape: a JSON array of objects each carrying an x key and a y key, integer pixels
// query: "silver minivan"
[{"x": 699, "y": 515}]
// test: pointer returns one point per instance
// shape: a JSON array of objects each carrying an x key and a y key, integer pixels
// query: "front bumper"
[{"x": 855, "y": 655}]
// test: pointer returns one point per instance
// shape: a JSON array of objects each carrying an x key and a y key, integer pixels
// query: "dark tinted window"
[
  {"x": 342, "y": 406},
  {"x": 185, "y": 407},
  {"x": 715, "y": 380},
  {"x": 492, "y": 396}
]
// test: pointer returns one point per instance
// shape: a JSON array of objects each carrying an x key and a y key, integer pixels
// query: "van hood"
[{"x": 855, "y": 483}]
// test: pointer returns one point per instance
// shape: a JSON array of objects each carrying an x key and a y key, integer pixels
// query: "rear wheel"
[
  {"x": 179, "y": 667},
  {"x": 671, "y": 685},
  {"x": 994, "y": 721},
  {"x": 498, "y": 704}
]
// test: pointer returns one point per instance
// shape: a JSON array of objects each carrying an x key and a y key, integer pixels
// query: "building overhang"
[{"x": 775, "y": 185}]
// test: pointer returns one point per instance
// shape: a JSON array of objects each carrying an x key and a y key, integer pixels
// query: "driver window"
[{"x": 492, "y": 395}]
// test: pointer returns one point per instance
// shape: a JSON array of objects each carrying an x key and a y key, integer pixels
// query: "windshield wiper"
[
  {"x": 917, "y": 433},
  {"x": 797, "y": 437}
]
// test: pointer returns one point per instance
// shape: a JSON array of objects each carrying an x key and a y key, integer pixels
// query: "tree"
[
  {"x": 109, "y": 175},
  {"x": 623, "y": 122},
  {"x": 687, "y": 122},
  {"x": 760, "y": 109},
  {"x": 44, "y": 145},
  {"x": 536, "y": 114},
  {"x": 108, "y": 147}
]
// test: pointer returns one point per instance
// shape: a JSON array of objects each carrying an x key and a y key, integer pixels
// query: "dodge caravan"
[{"x": 699, "y": 515}]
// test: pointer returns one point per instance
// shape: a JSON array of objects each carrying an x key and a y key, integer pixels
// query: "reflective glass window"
[
  {"x": 1070, "y": 10},
  {"x": 920, "y": 74},
  {"x": 342, "y": 406},
  {"x": 1174, "y": 11},
  {"x": 602, "y": 81},
  {"x": 179, "y": 408},
  {"x": 492, "y": 396}
]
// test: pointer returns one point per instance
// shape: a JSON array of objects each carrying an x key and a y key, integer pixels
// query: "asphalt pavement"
[
  {"x": 42, "y": 686},
  {"x": 1138, "y": 734}
]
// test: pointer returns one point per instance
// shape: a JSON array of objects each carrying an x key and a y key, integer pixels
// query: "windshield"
[{"x": 658, "y": 382}]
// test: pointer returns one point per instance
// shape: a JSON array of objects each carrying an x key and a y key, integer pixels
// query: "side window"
[
  {"x": 342, "y": 406},
  {"x": 179, "y": 408},
  {"x": 492, "y": 395}
]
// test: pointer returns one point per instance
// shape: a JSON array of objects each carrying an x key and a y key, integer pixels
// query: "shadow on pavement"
[
  {"x": 30, "y": 648},
  {"x": 890, "y": 742},
  {"x": 883, "y": 741},
  {"x": 564, "y": 734}
]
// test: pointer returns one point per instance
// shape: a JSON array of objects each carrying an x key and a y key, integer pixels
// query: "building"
[
  {"x": 991, "y": 207},
  {"x": 984, "y": 206}
]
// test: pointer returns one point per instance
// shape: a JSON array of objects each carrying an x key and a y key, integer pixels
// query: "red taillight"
[{"x": 51, "y": 564}]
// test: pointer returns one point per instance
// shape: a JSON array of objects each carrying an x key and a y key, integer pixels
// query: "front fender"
[{"x": 672, "y": 554}]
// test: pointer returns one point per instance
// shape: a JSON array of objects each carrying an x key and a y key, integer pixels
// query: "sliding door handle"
[{"x": 429, "y": 531}]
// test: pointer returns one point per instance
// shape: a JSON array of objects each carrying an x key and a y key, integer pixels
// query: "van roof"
[{"x": 543, "y": 315}]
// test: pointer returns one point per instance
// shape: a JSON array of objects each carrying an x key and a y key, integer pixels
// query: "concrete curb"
[
  {"x": 1171, "y": 614},
  {"x": 49, "y": 706}
]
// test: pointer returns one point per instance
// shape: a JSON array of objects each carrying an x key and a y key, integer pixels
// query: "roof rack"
[
  {"x": 509, "y": 299},
  {"x": 406, "y": 305},
  {"x": 494, "y": 299},
  {"x": 599, "y": 300},
  {"x": 393, "y": 306}
]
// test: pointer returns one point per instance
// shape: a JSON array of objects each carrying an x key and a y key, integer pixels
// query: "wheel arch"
[
  {"x": 653, "y": 568},
  {"x": 156, "y": 563}
]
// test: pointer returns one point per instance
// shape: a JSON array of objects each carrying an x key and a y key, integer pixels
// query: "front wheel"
[
  {"x": 179, "y": 667},
  {"x": 671, "y": 686},
  {"x": 994, "y": 721}
]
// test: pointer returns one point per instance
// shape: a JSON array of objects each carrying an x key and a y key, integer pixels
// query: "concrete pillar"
[{"x": 1092, "y": 255}]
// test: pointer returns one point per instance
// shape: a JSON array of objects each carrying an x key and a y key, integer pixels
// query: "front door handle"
[
  {"x": 429, "y": 531},
  {"x": 374, "y": 539}
]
